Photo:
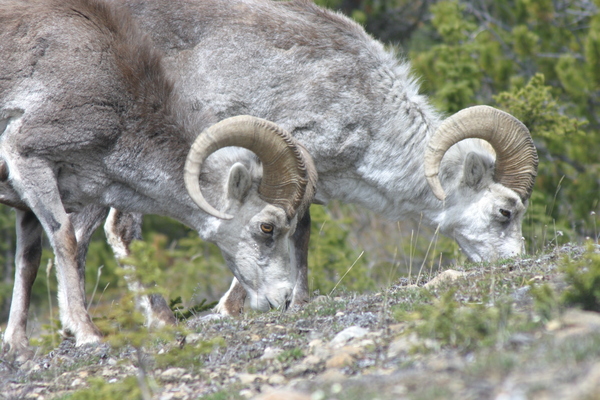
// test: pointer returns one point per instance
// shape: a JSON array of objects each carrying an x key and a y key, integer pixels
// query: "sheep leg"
[
  {"x": 301, "y": 241},
  {"x": 27, "y": 260},
  {"x": 121, "y": 229},
  {"x": 40, "y": 191},
  {"x": 85, "y": 222},
  {"x": 232, "y": 302}
]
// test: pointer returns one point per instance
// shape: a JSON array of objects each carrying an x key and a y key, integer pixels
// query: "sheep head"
[
  {"x": 255, "y": 230},
  {"x": 487, "y": 197}
]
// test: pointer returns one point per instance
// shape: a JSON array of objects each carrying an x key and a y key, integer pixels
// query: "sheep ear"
[
  {"x": 474, "y": 170},
  {"x": 239, "y": 181}
]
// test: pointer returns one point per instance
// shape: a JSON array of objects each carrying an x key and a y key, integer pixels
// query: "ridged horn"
[
  {"x": 516, "y": 156},
  {"x": 287, "y": 180}
]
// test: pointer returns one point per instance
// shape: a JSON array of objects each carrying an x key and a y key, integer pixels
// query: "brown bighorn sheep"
[{"x": 89, "y": 120}]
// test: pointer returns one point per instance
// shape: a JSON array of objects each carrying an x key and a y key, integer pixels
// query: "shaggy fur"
[
  {"x": 90, "y": 120},
  {"x": 354, "y": 106}
]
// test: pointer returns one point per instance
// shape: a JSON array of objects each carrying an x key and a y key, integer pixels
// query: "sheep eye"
[
  {"x": 266, "y": 228},
  {"x": 505, "y": 213}
]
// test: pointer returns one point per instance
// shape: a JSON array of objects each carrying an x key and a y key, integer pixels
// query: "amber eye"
[
  {"x": 266, "y": 228},
  {"x": 505, "y": 213}
]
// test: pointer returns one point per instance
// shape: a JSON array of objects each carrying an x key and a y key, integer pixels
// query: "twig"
[
  {"x": 353, "y": 264},
  {"x": 95, "y": 287}
]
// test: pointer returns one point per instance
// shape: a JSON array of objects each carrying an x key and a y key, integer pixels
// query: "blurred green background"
[{"x": 537, "y": 59}]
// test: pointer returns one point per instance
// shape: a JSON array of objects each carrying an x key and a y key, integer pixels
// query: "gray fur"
[
  {"x": 354, "y": 106},
  {"x": 352, "y": 103},
  {"x": 90, "y": 121}
]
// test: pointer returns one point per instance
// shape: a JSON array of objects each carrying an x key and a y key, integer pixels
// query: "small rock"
[
  {"x": 318, "y": 395},
  {"x": 521, "y": 293},
  {"x": 402, "y": 345},
  {"x": 320, "y": 299},
  {"x": 76, "y": 382},
  {"x": 108, "y": 372},
  {"x": 212, "y": 317},
  {"x": 574, "y": 316},
  {"x": 276, "y": 379},
  {"x": 193, "y": 338},
  {"x": 354, "y": 351},
  {"x": 332, "y": 375},
  {"x": 397, "y": 328},
  {"x": 297, "y": 370},
  {"x": 254, "y": 338},
  {"x": 246, "y": 379},
  {"x": 578, "y": 323},
  {"x": 29, "y": 366},
  {"x": 447, "y": 276},
  {"x": 340, "y": 360},
  {"x": 399, "y": 390},
  {"x": 187, "y": 377},
  {"x": 284, "y": 395},
  {"x": 320, "y": 351},
  {"x": 247, "y": 393},
  {"x": 312, "y": 360},
  {"x": 271, "y": 353},
  {"x": 348, "y": 334},
  {"x": 172, "y": 374}
]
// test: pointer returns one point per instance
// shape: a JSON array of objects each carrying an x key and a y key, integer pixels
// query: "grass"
[{"x": 477, "y": 319}]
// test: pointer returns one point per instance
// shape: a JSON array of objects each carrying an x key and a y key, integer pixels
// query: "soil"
[{"x": 349, "y": 346}]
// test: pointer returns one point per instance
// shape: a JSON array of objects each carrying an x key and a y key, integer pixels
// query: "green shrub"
[
  {"x": 583, "y": 278},
  {"x": 127, "y": 389}
]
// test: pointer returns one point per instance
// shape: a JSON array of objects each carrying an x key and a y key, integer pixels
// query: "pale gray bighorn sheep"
[
  {"x": 89, "y": 120},
  {"x": 353, "y": 105},
  {"x": 358, "y": 111}
]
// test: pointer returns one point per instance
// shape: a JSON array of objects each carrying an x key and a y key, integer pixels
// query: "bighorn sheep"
[
  {"x": 358, "y": 111},
  {"x": 89, "y": 120},
  {"x": 354, "y": 106}
]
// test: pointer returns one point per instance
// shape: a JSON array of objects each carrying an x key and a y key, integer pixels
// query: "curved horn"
[
  {"x": 286, "y": 182},
  {"x": 516, "y": 156}
]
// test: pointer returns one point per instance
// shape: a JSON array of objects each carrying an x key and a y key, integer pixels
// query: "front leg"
[
  {"x": 301, "y": 241},
  {"x": 27, "y": 262},
  {"x": 40, "y": 191},
  {"x": 232, "y": 302}
]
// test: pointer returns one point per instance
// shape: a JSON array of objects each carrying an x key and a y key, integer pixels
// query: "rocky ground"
[{"x": 474, "y": 332}]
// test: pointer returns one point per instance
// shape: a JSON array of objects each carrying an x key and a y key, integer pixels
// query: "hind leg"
[
  {"x": 85, "y": 222},
  {"x": 121, "y": 229},
  {"x": 27, "y": 260}
]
